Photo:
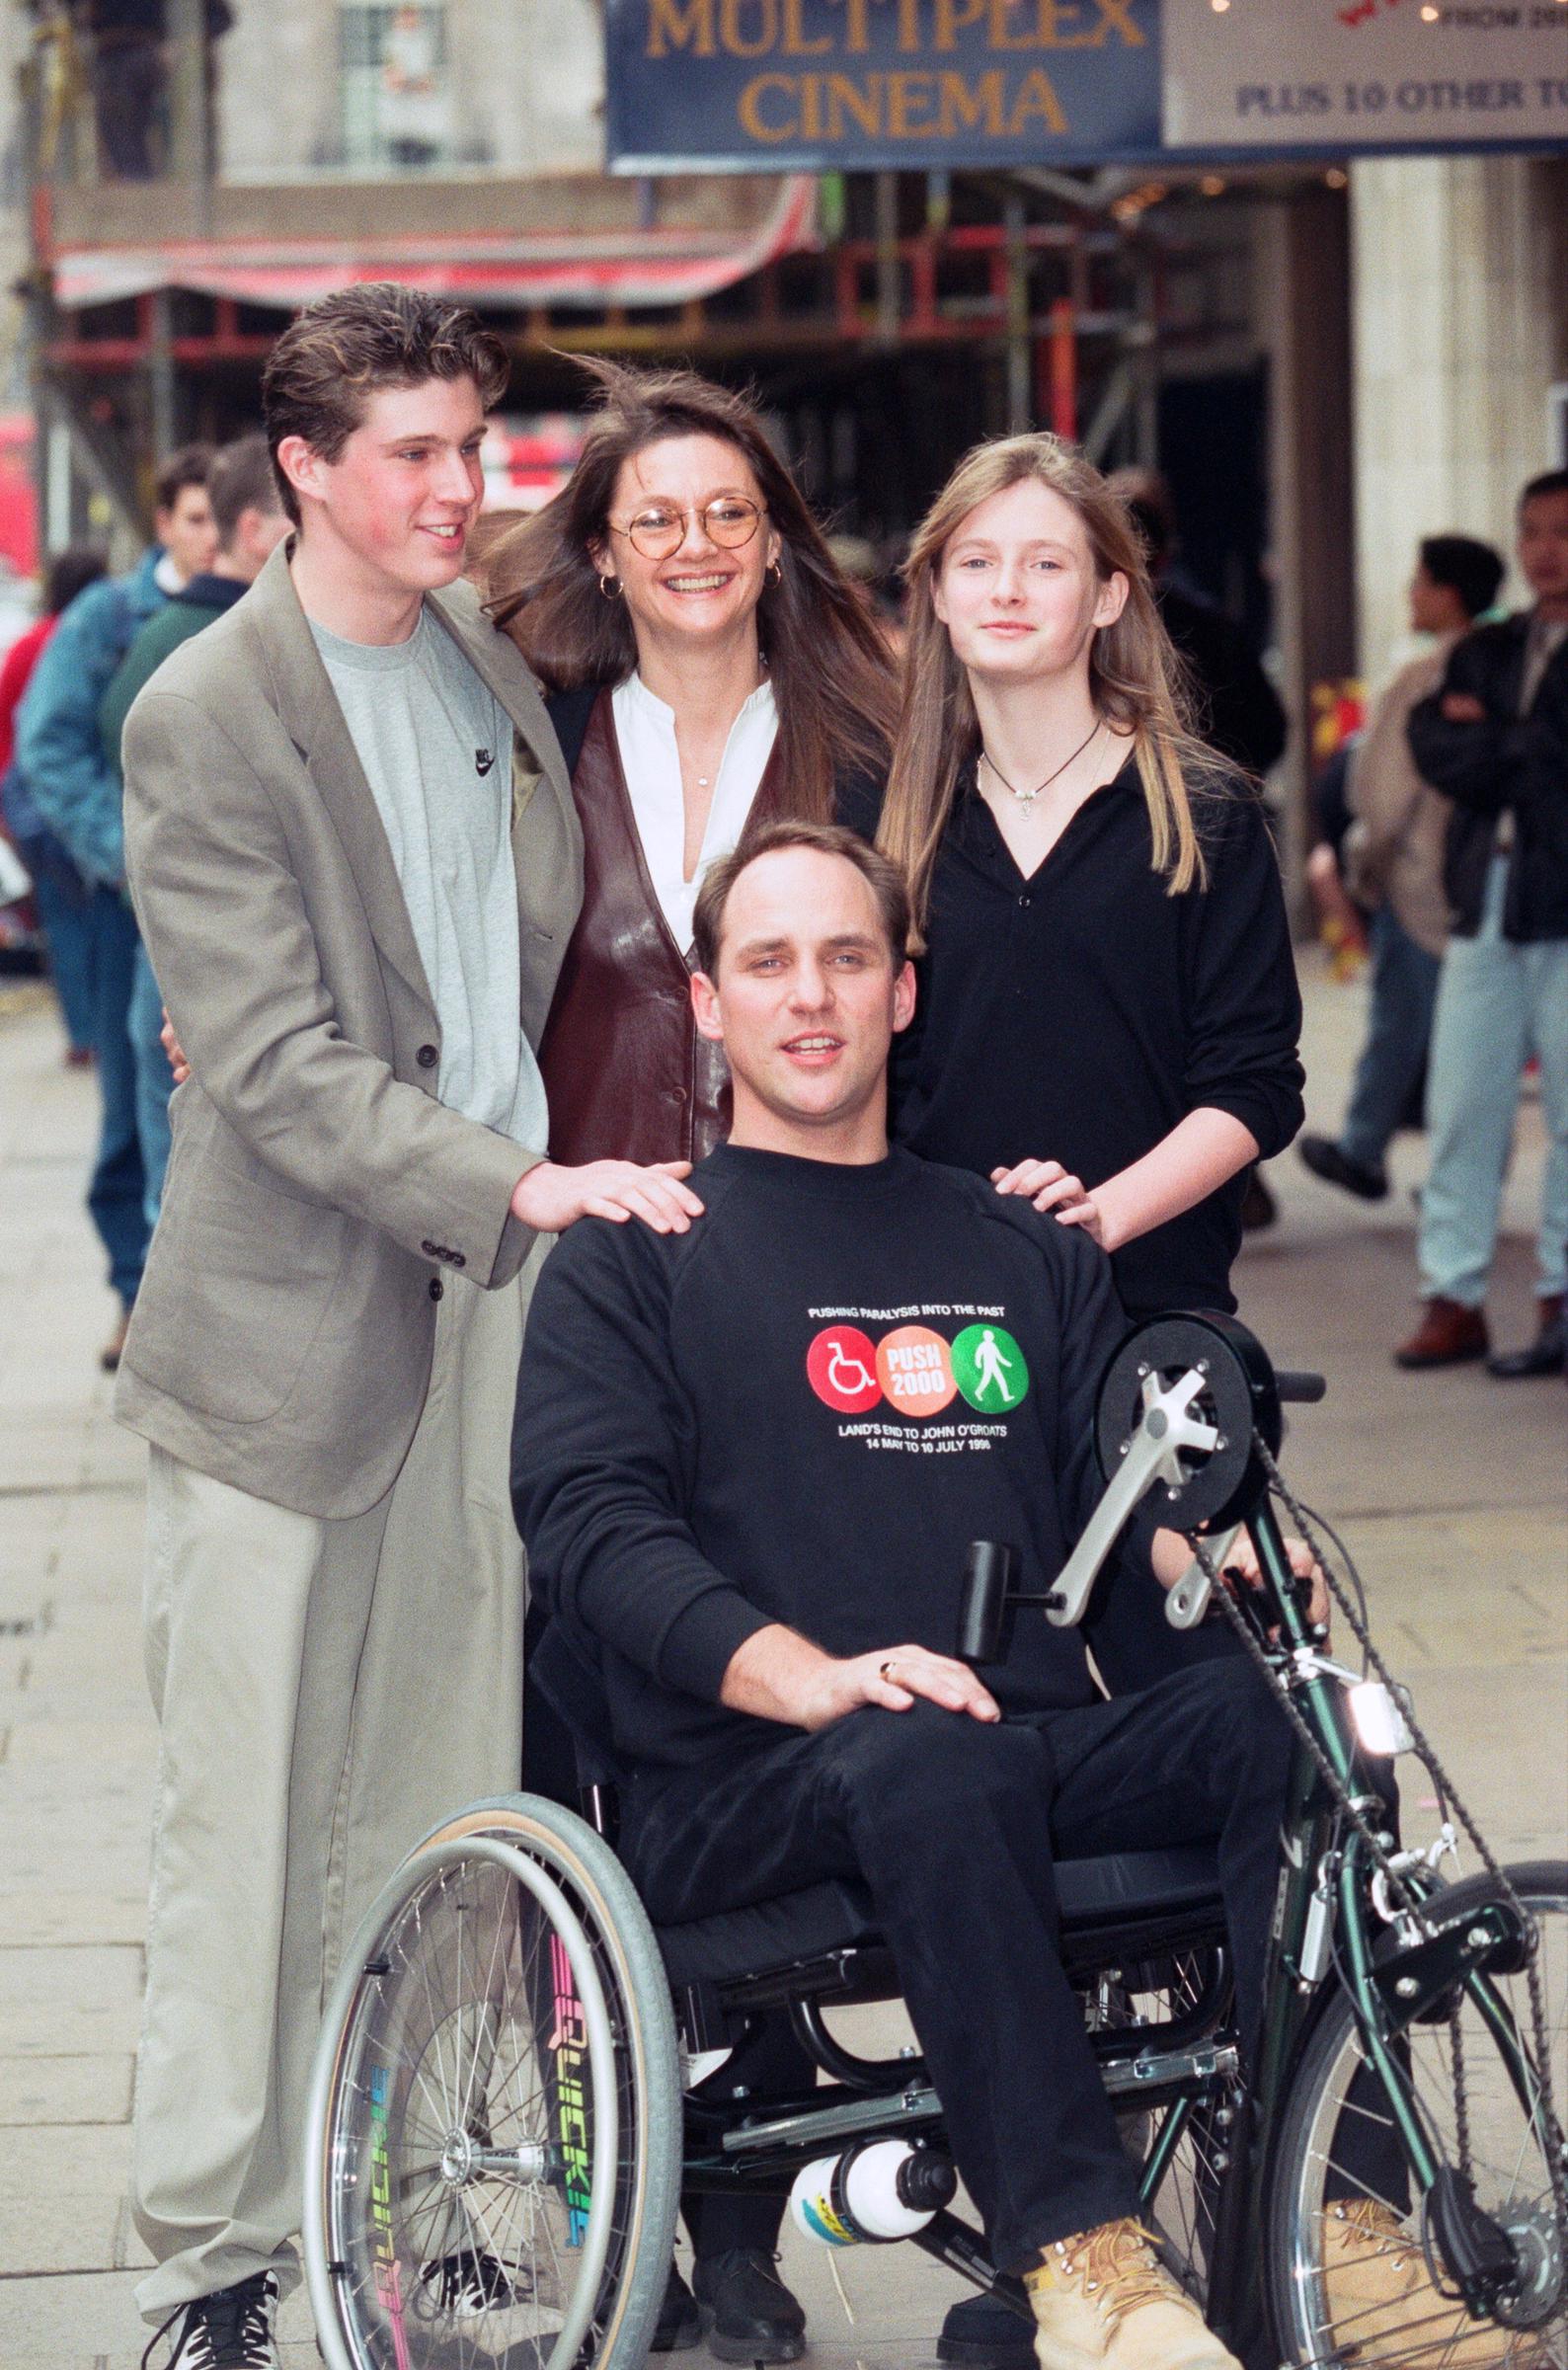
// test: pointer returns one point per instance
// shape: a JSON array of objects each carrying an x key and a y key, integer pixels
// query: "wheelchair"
[{"x": 517, "y": 2073}]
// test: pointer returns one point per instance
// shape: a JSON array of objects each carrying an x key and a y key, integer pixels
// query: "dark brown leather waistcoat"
[{"x": 627, "y": 1075}]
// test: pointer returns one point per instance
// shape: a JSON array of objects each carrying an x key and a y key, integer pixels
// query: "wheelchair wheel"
[
  {"x": 493, "y": 2148},
  {"x": 1337, "y": 2181}
]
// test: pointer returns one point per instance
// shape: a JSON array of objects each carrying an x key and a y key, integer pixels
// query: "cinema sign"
[
  {"x": 817, "y": 85},
  {"x": 786, "y": 84}
]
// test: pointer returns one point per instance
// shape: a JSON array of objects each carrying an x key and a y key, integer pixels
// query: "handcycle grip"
[
  {"x": 1301, "y": 1389},
  {"x": 990, "y": 1571}
]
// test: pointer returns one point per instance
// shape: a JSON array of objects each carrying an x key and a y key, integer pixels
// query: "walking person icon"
[{"x": 991, "y": 1367}]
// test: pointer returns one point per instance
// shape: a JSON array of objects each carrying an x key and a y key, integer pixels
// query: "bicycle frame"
[{"x": 1323, "y": 1922}]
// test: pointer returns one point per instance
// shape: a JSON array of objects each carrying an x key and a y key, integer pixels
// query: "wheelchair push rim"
[{"x": 353, "y": 2228}]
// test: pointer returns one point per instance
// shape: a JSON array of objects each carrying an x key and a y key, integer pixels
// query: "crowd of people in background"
[{"x": 1457, "y": 847}]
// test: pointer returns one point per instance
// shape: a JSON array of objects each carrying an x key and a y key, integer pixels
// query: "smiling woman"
[{"x": 711, "y": 669}]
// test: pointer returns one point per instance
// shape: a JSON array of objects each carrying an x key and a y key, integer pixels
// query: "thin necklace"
[{"x": 1027, "y": 797}]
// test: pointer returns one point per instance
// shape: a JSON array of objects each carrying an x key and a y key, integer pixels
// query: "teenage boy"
[
  {"x": 354, "y": 855},
  {"x": 248, "y": 523},
  {"x": 1495, "y": 738},
  {"x": 76, "y": 788},
  {"x": 747, "y": 1465}
]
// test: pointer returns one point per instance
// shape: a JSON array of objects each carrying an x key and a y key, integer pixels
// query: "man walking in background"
[
  {"x": 248, "y": 523},
  {"x": 1495, "y": 738},
  {"x": 77, "y": 793},
  {"x": 1394, "y": 858}
]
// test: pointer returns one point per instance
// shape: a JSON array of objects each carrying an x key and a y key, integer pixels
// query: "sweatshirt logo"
[{"x": 916, "y": 1370}]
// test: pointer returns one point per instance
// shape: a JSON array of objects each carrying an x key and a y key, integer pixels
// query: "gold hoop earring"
[
  {"x": 774, "y": 572},
  {"x": 609, "y": 587}
]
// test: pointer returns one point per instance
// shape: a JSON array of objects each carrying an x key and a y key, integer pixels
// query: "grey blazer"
[{"x": 281, "y": 1338}]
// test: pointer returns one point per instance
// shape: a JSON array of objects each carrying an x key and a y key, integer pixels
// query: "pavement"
[{"x": 1449, "y": 1488}]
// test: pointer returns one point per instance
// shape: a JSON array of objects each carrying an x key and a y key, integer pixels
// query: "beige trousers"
[{"x": 327, "y": 1690}]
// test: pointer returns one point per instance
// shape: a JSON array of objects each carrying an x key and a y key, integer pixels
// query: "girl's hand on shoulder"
[{"x": 1050, "y": 1187}]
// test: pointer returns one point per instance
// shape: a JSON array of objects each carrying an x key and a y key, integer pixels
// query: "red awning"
[{"x": 559, "y": 268}]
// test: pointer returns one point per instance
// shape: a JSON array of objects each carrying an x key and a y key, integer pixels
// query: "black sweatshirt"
[
  {"x": 1078, "y": 1015},
  {"x": 803, "y": 1411}
]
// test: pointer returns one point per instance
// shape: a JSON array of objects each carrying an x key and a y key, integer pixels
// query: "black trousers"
[{"x": 955, "y": 1826}]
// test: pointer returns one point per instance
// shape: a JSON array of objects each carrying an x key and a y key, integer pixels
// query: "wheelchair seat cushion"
[{"x": 839, "y": 1915}]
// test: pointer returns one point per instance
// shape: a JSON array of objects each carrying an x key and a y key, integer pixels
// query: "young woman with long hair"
[
  {"x": 1109, "y": 1011},
  {"x": 708, "y": 667}
]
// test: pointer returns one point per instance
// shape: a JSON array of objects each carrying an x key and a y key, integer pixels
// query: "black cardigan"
[{"x": 1078, "y": 1015}]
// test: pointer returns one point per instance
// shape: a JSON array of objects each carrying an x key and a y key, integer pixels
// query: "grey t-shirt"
[{"x": 436, "y": 745}]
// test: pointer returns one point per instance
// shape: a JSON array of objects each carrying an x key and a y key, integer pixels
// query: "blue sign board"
[
  {"x": 825, "y": 85},
  {"x": 800, "y": 85}
]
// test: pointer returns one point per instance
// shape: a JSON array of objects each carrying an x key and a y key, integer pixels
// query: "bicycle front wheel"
[{"x": 1349, "y": 2276}]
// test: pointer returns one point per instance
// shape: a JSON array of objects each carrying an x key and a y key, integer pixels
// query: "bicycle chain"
[{"x": 1553, "y": 2147}]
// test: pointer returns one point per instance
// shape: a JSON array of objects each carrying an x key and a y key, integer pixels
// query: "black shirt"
[
  {"x": 1078, "y": 1015},
  {"x": 803, "y": 1411}
]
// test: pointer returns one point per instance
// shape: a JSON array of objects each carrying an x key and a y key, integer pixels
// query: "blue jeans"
[
  {"x": 154, "y": 1082},
  {"x": 117, "y": 1194},
  {"x": 1404, "y": 989},
  {"x": 1497, "y": 1005},
  {"x": 64, "y": 906}
]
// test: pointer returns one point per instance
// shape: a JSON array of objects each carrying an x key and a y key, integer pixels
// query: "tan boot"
[
  {"x": 1103, "y": 2301},
  {"x": 1381, "y": 2305}
]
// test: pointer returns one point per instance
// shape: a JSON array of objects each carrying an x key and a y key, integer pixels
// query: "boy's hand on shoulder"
[{"x": 551, "y": 1198}]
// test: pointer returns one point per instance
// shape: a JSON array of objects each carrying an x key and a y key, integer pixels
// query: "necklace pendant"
[{"x": 1026, "y": 798}]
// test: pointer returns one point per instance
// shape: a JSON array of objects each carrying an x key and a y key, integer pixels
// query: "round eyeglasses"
[{"x": 658, "y": 529}]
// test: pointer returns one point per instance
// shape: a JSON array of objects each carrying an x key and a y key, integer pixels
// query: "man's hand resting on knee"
[
  {"x": 778, "y": 1675},
  {"x": 551, "y": 1198}
]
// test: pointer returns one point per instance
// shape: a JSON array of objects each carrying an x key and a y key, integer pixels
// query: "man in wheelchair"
[{"x": 750, "y": 1459}]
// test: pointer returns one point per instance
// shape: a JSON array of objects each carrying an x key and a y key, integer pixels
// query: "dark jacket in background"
[
  {"x": 1503, "y": 762},
  {"x": 1239, "y": 710}
]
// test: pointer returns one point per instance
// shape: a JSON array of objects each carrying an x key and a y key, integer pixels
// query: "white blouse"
[{"x": 645, "y": 729}]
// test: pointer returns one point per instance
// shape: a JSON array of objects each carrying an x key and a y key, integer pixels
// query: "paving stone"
[
  {"x": 91, "y": 1915},
  {"x": 53, "y": 2091}
]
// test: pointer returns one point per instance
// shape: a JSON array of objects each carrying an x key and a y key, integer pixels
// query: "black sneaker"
[
  {"x": 231, "y": 2330},
  {"x": 1323, "y": 1157},
  {"x": 983, "y": 2333},
  {"x": 747, "y": 2312},
  {"x": 680, "y": 2324},
  {"x": 471, "y": 2280}
]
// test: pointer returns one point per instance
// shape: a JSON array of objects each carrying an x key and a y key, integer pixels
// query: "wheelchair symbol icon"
[{"x": 841, "y": 1367}]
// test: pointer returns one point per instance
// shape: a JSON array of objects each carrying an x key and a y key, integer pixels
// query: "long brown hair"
[
  {"x": 831, "y": 671},
  {"x": 1135, "y": 678}
]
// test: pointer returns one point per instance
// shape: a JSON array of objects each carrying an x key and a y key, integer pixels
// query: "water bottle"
[{"x": 875, "y": 2190}]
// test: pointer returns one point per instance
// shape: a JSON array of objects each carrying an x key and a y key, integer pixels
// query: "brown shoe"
[
  {"x": 109, "y": 1355},
  {"x": 1448, "y": 1334},
  {"x": 1382, "y": 2306},
  {"x": 1105, "y": 2298}
]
